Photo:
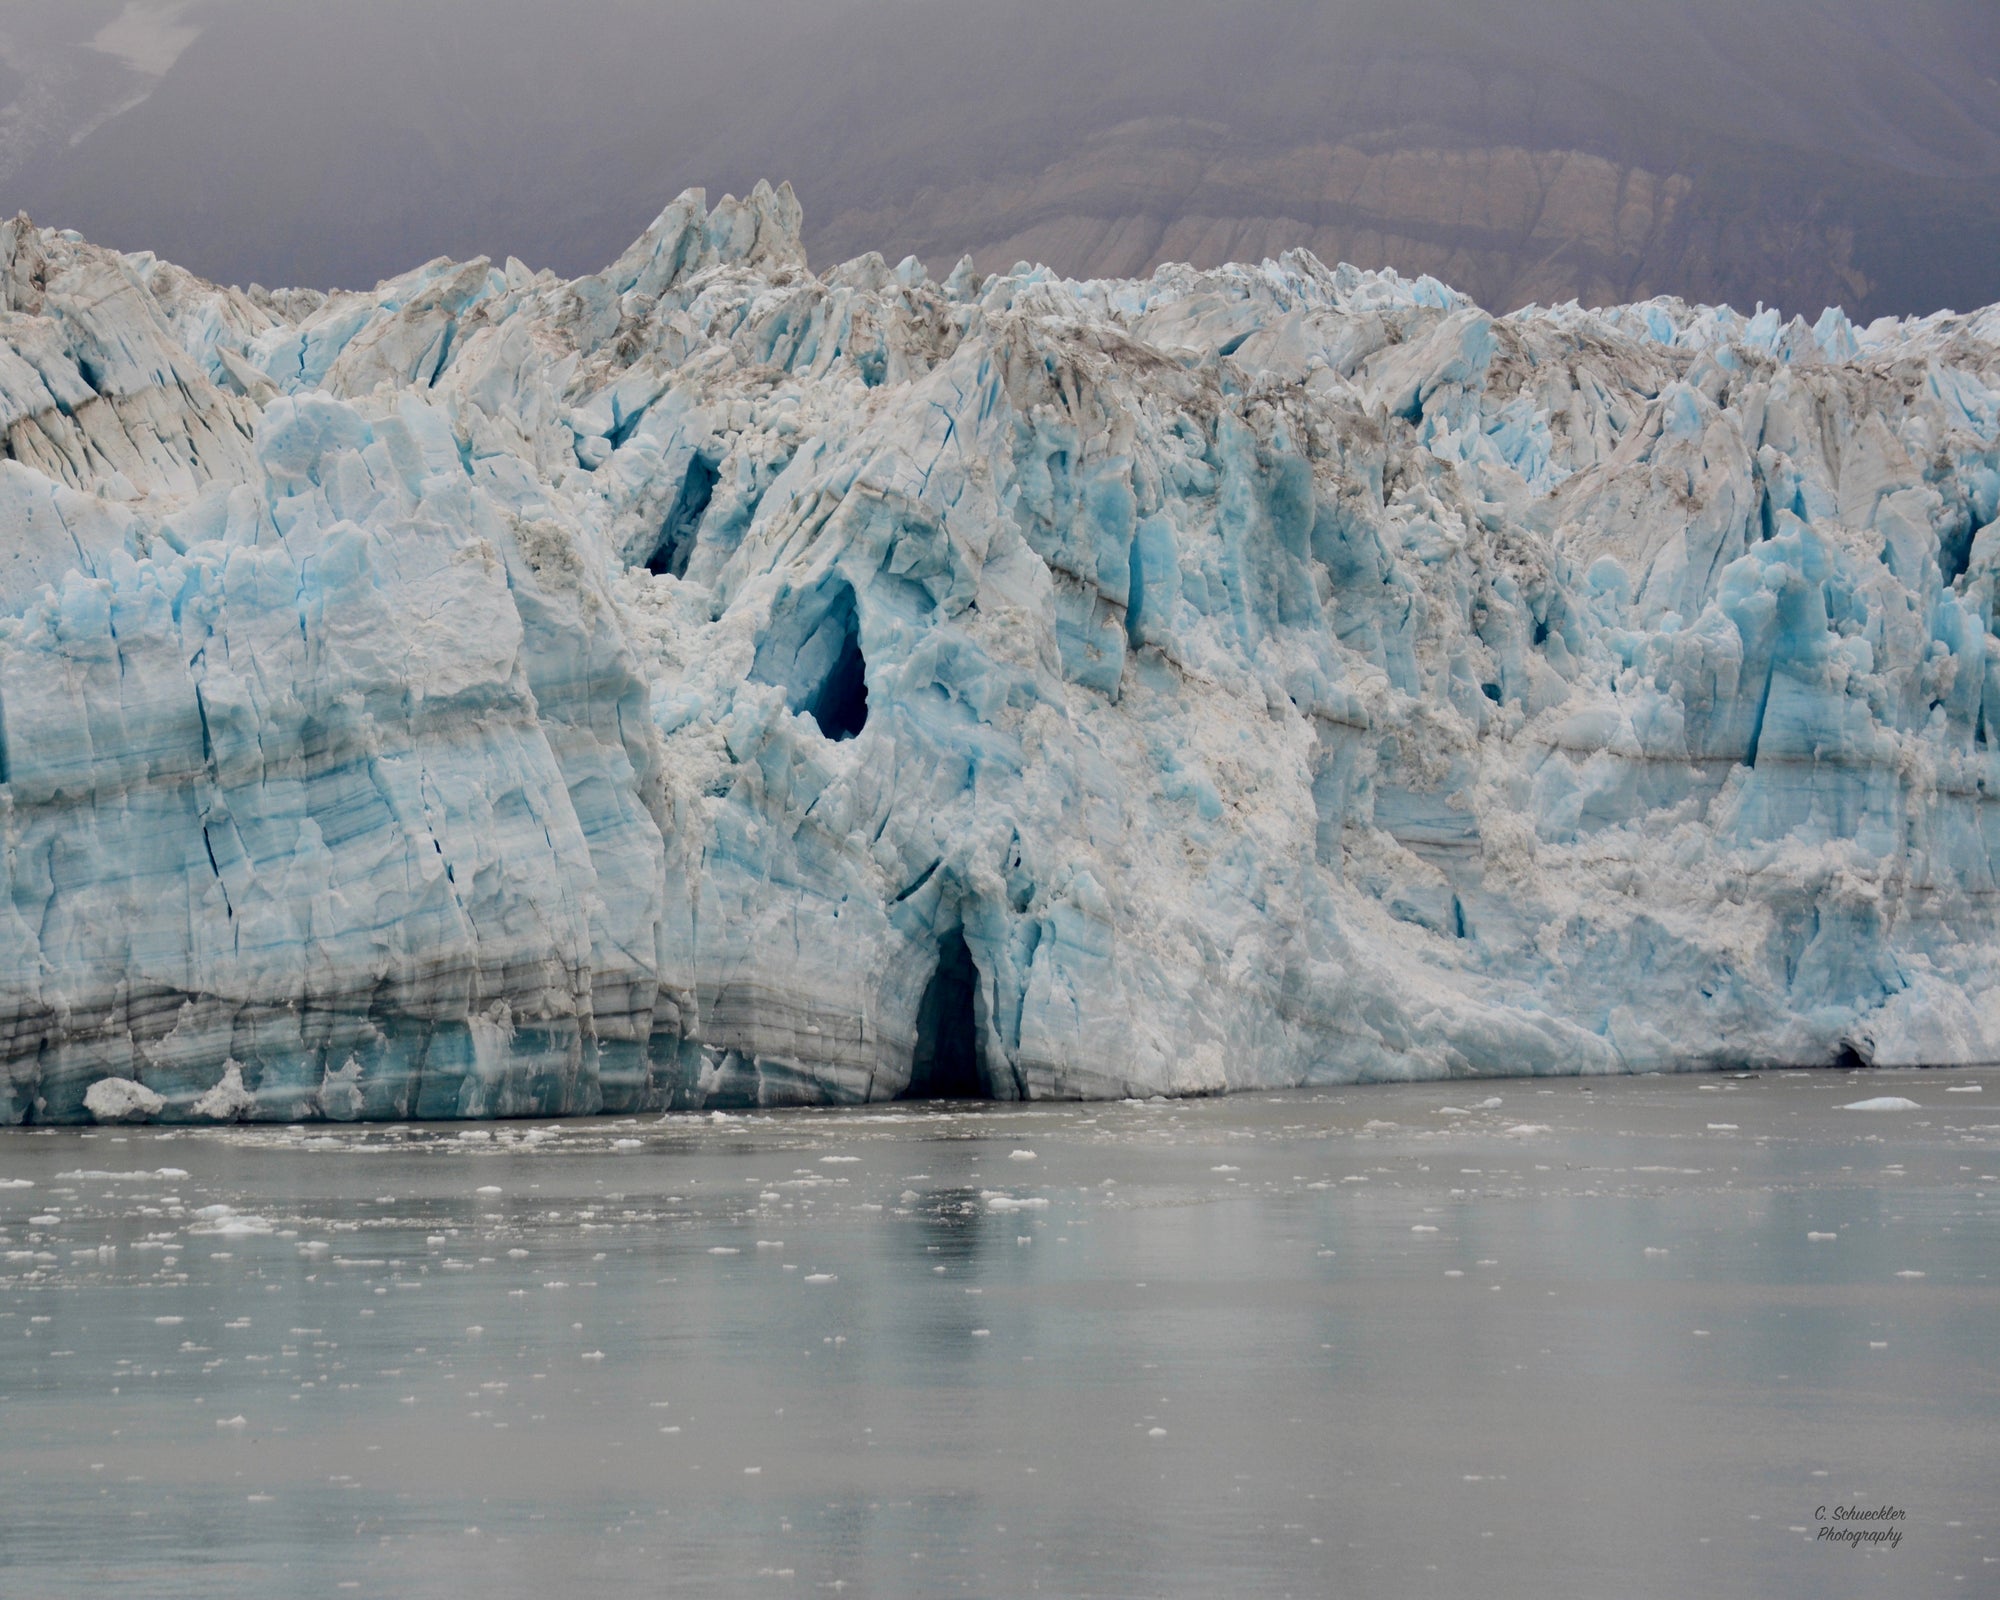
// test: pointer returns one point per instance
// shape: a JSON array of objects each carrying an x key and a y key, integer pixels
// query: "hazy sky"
[{"x": 1794, "y": 151}]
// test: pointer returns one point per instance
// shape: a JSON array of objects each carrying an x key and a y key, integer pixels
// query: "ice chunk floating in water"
[
  {"x": 121, "y": 1100},
  {"x": 711, "y": 684}
]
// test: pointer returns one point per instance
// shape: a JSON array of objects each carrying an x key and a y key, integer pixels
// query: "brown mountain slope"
[{"x": 1797, "y": 152}]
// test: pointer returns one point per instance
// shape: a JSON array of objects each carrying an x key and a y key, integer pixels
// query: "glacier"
[{"x": 711, "y": 683}]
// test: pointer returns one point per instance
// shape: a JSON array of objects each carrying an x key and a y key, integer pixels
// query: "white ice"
[{"x": 712, "y": 683}]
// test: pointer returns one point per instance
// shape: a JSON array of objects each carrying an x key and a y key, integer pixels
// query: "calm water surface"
[{"x": 1497, "y": 1339}]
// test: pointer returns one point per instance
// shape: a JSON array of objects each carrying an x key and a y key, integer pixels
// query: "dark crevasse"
[{"x": 683, "y": 524}]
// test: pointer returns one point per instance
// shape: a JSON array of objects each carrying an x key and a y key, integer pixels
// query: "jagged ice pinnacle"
[{"x": 707, "y": 683}]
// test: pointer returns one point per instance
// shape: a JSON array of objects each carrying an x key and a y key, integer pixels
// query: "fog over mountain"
[{"x": 1795, "y": 152}]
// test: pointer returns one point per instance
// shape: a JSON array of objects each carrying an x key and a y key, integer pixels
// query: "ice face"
[{"x": 708, "y": 683}]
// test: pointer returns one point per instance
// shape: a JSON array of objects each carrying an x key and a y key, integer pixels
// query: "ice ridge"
[{"x": 710, "y": 683}]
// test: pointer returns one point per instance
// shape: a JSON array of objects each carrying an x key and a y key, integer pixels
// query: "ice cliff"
[{"x": 709, "y": 683}]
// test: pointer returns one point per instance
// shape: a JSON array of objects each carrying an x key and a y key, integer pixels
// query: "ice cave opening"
[
  {"x": 947, "y": 1062},
  {"x": 840, "y": 706},
  {"x": 813, "y": 648}
]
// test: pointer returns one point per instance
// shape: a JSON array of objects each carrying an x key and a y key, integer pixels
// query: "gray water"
[{"x": 1503, "y": 1339}]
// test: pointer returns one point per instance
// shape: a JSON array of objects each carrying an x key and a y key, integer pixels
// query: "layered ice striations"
[{"x": 708, "y": 683}]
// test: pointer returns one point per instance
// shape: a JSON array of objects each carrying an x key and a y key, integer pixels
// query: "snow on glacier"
[{"x": 707, "y": 683}]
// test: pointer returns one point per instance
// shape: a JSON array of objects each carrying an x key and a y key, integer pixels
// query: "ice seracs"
[{"x": 711, "y": 683}]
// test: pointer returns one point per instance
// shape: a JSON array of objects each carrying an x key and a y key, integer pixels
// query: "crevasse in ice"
[{"x": 710, "y": 683}]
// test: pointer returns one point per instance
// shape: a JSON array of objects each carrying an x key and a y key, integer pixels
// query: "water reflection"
[{"x": 1570, "y": 1344}]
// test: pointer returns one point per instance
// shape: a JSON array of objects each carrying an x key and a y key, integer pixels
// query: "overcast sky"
[{"x": 1793, "y": 151}]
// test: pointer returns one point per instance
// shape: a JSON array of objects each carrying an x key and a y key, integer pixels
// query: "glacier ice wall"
[{"x": 710, "y": 683}]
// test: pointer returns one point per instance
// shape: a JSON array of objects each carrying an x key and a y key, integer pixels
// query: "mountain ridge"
[{"x": 1821, "y": 154}]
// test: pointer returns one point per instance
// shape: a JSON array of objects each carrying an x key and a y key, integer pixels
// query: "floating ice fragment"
[
  {"x": 1021, "y": 1155},
  {"x": 1883, "y": 1102},
  {"x": 487, "y": 1188},
  {"x": 231, "y": 1422},
  {"x": 627, "y": 1144},
  {"x": 228, "y": 1101},
  {"x": 1004, "y": 1202},
  {"x": 1822, "y": 1238},
  {"x": 822, "y": 1277},
  {"x": 121, "y": 1100},
  {"x": 125, "y": 1177},
  {"x": 243, "y": 1225}
]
